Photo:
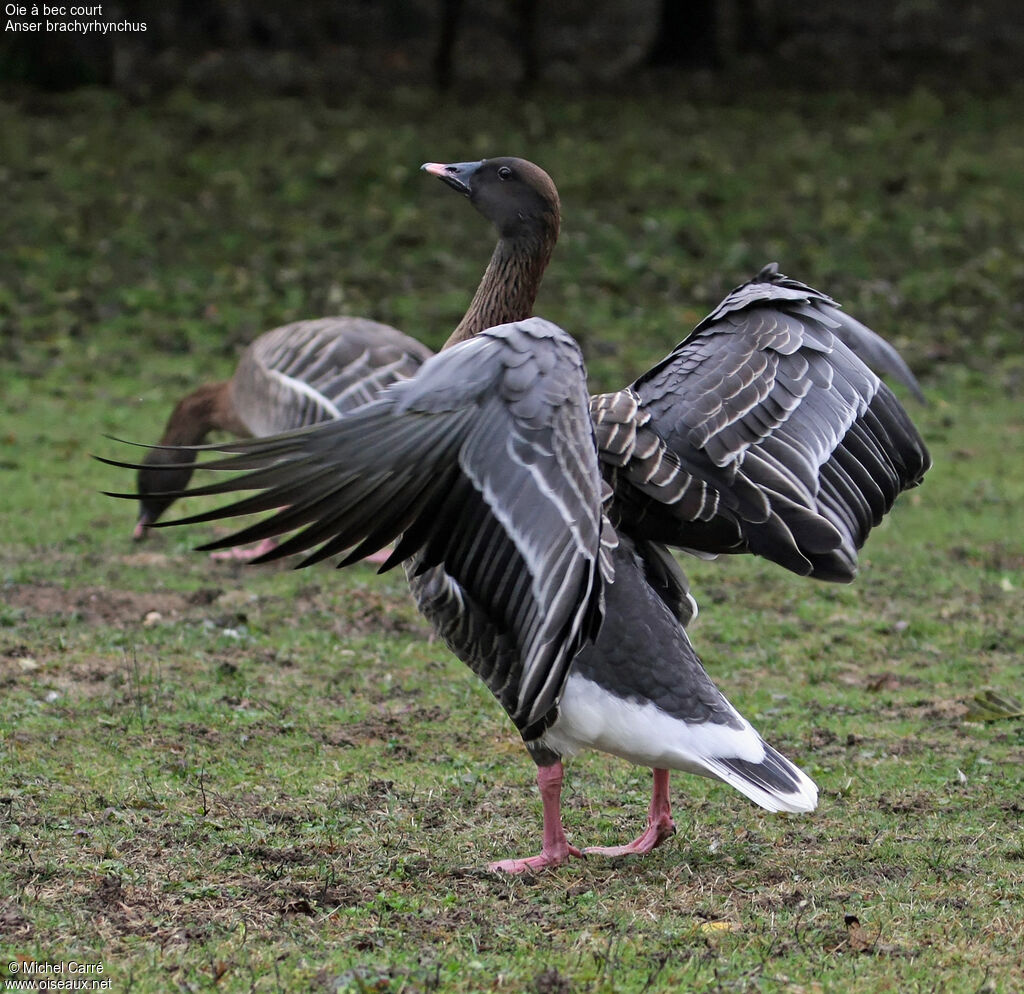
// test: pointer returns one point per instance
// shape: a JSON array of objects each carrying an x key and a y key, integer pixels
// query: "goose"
[
  {"x": 533, "y": 521},
  {"x": 295, "y": 375}
]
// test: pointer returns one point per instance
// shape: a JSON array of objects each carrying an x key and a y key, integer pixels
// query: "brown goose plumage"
[{"x": 522, "y": 202}]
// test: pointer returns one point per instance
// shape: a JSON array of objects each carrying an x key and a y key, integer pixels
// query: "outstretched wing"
[
  {"x": 484, "y": 464},
  {"x": 763, "y": 432}
]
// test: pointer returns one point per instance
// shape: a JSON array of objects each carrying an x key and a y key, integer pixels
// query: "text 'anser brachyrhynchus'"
[{"x": 533, "y": 520}]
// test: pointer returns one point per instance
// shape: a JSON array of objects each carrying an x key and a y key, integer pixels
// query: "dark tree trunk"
[
  {"x": 526, "y": 40},
  {"x": 451, "y": 14},
  {"x": 687, "y": 34}
]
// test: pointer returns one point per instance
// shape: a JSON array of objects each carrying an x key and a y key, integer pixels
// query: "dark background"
[{"x": 472, "y": 46}]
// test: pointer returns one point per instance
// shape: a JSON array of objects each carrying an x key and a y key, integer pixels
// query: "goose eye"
[{"x": 504, "y": 172}]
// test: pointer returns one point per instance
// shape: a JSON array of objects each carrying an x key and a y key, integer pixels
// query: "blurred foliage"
[{"x": 191, "y": 225}]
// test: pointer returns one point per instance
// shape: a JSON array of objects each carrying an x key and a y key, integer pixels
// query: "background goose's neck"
[
  {"x": 203, "y": 410},
  {"x": 509, "y": 286}
]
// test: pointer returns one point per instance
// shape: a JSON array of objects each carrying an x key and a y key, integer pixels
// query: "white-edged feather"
[{"x": 591, "y": 717}]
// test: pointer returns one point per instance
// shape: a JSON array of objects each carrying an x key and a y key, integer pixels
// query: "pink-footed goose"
[
  {"x": 533, "y": 520},
  {"x": 296, "y": 375}
]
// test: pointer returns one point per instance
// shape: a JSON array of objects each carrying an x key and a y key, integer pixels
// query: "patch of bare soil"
[
  {"x": 362, "y": 611},
  {"x": 551, "y": 982},
  {"x": 13, "y": 924},
  {"x": 350, "y": 611},
  {"x": 1000, "y": 556},
  {"x": 381, "y": 727},
  {"x": 96, "y": 605},
  {"x": 943, "y": 712}
]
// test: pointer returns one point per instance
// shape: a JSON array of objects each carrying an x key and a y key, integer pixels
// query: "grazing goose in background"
[
  {"x": 296, "y": 375},
  {"x": 527, "y": 511}
]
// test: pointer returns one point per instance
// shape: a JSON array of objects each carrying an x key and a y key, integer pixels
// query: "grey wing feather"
[
  {"x": 876, "y": 352},
  {"x": 654, "y": 495},
  {"x": 667, "y": 579},
  {"x": 312, "y": 371},
  {"x": 800, "y": 444},
  {"x": 771, "y": 285}
]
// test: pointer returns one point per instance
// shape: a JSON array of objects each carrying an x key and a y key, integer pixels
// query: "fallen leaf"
[
  {"x": 856, "y": 936},
  {"x": 712, "y": 927},
  {"x": 992, "y": 706}
]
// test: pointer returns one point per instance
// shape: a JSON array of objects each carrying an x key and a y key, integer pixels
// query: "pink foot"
[
  {"x": 245, "y": 555},
  {"x": 534, "y": 864},
  {"x": 378, "y": 557},
  {"x": 556, "y": 849},
  {"x": 654, "y": 836},
  {"x": 660, "y": 825}
]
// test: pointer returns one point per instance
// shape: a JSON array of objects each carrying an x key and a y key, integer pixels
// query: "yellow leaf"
[
  {"x": 709, "y": 927},
  {"x": 992, "y": 706}
]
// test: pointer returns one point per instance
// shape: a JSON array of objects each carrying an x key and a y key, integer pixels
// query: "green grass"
[{"x": 257, "y": 779}]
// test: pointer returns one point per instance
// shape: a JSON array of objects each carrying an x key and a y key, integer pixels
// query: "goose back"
[{"x": 311, "y": 371}]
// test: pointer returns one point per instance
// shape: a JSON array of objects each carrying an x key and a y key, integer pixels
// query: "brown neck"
[
  {"x": 196, "y": 415},
  {"x": 510, "y": 283}
]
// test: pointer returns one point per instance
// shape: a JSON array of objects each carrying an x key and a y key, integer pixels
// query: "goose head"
[
  {"x": 156, "y": 480},
  {"x": 515, "y": 195}
]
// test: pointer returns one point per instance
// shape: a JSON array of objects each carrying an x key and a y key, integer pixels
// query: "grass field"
[{"x": 217, "y": 777}]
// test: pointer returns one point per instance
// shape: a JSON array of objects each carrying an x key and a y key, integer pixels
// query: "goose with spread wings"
[
  {"x": 533, "y": 520},
  {"x": 484, "y": 468},
  {"x": 764, "y": 431}
]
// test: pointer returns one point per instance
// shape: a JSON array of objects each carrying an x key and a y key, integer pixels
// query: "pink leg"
[
  {"x": 269, "y": 544},
  {"x": 556, "y": 849},
  {"x": 660, "y": 825},
  {"x": 246, "y": 555}
]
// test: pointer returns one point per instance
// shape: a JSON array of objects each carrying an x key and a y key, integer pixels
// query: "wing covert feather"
[{"x": 312, "y": 371}]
